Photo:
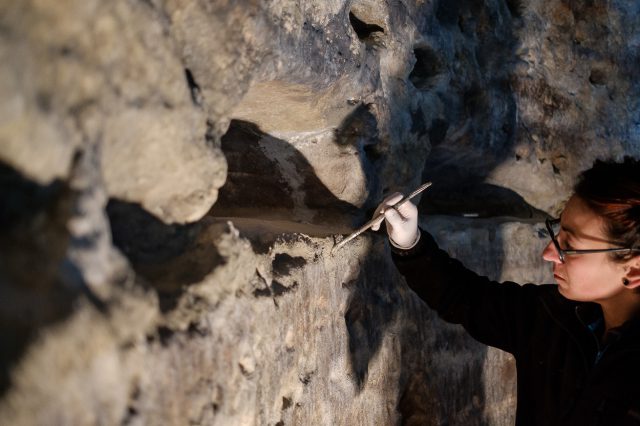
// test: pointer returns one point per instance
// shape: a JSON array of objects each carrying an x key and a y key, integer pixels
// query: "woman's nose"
[{"x": 550, "y": 254}]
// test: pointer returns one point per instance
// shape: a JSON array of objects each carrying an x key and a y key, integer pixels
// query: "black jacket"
[{"x": 565, "y": 375}]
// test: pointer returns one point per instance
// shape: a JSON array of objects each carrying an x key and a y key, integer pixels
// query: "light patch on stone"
[
  {"x": 172, "y": 141},
  {"x": 281, "y": 107},
  {"x": 340, "y": 169}
]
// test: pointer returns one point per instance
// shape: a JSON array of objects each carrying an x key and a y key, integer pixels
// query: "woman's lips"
[{"x": 558, "y": 277}]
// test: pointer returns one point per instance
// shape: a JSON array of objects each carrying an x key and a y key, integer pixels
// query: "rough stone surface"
[
  {"x": 294, "y": 335},
  {"x": 107, "y": 74},
  {"x": 174, "y": 174},
  {"x": 543, "y": 90}
]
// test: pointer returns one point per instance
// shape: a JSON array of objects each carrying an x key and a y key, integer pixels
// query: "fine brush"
[{"x": 380, "y": 216}]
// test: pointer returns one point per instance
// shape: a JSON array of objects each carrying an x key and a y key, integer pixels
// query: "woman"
[{"x": 576, "y": 343}]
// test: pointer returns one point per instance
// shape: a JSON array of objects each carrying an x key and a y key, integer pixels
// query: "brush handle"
[{"x": 380, "y": 217}]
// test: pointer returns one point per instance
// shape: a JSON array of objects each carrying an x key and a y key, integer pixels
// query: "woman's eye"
[{"x": 564, "y": 244}]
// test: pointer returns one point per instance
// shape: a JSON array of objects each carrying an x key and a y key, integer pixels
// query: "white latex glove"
[{"x": 402, "y": 223}]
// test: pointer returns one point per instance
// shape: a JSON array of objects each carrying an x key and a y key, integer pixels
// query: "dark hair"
[{"x": 612, "y": 190}]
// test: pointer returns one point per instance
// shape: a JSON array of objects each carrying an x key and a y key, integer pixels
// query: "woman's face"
[{"x": 592, "y": 277}]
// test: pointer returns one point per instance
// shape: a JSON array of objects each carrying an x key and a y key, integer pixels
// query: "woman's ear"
[{"x": 633, "y": 273}]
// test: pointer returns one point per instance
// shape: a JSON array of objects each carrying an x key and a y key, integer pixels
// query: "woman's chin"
[{"x": 564, "y": 290}]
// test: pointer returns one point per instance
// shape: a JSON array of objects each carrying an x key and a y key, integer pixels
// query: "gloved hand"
[{"x": 402, "y": 223}]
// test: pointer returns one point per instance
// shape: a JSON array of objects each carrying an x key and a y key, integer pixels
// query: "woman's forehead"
[{"x": 582, "y": 222}]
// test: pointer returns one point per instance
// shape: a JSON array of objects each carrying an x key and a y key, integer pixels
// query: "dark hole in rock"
[
  {"x": 283, "y": 263},
  {"x": 598, "y": 77},
  {"x": 165, "y": 334},
  {"x": 427, "y": 66},
  {"x": 286, "y": 403},
  {"x": 363, "y": 30},
  {"x": 278, "y": 289},
  {"x": 262, "y": 292}
]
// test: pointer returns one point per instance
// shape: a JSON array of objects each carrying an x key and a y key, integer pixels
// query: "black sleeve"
[{"x": 493, "y": 313}]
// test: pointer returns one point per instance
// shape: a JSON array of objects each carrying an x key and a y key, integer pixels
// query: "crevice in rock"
[
  {"x": 365, "y": 32},
  {"x": 194, "y": 88},
  {"x": 427, "y": 67}
]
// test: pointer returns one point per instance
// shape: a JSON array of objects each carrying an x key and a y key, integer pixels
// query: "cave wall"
[{"x": 175, "y": 173}]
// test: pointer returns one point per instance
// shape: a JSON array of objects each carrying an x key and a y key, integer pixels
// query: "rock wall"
[{"x": 174, "y": 174}]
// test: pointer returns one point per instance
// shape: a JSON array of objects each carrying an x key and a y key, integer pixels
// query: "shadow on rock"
[
  {"x": 372, "y": 308},
  {"x": 473, "y": 199},
  {"x": 270, "y": 179},
  {"x": 34, "y": 288},
  {"x": 441, "y": 377},
  {"x": 168, "y": 257}
]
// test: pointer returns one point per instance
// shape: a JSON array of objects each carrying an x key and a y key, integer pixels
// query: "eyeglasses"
[{"x": 553, "y": 226}]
